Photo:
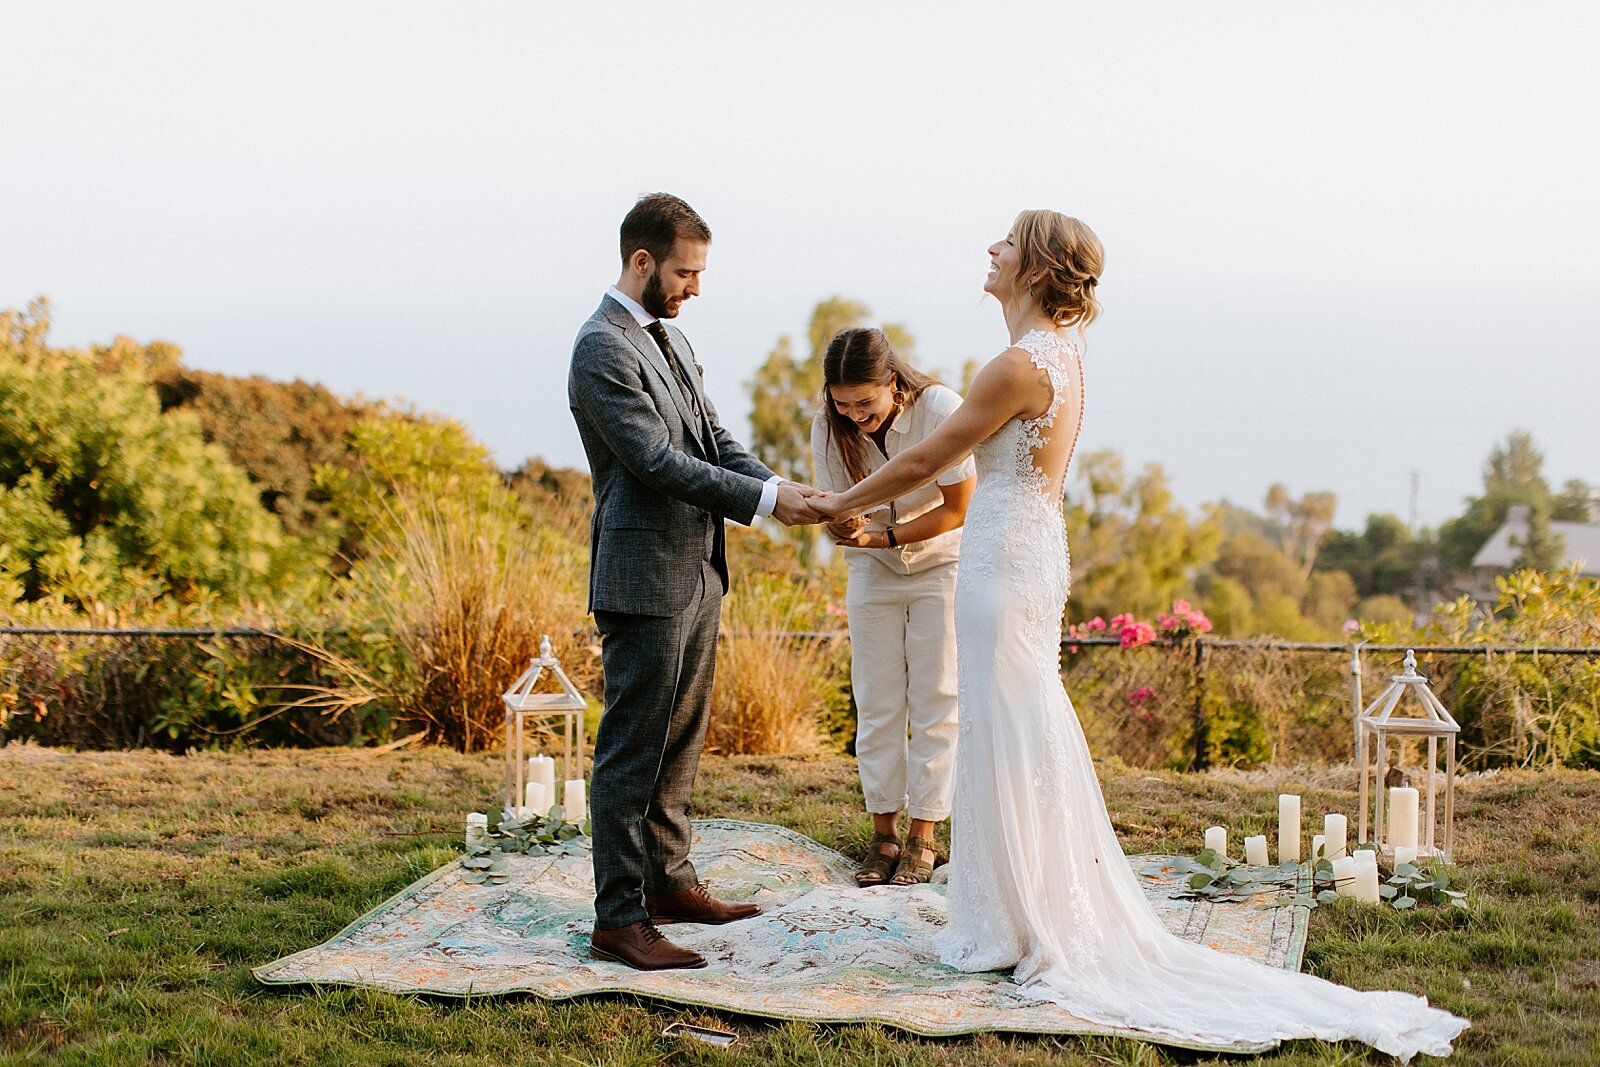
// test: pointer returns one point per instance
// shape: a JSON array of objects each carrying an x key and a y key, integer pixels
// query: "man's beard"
[{"x": 654, "y": 298}]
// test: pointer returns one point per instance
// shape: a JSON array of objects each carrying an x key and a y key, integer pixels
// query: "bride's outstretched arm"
[{"x": 1008, "y": 386}]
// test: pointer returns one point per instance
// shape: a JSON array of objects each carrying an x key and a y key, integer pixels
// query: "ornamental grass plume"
[
  {"x": 448, "y": 608},
  {"x": 774, "y": 688}
]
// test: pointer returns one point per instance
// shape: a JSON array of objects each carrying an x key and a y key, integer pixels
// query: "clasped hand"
[{"x": 805, "y": 505}]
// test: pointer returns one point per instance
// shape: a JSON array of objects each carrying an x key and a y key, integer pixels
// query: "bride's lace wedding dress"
[{"x": 1038, "y": 882}]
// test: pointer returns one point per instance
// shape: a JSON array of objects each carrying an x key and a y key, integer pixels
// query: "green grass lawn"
[{"x": 137, "y": 890}]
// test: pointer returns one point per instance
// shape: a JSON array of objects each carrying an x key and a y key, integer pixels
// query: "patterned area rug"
[{"x": 824, "y": 950}]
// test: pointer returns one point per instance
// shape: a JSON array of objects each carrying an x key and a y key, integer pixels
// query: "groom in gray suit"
[{"x": 666, "y": 474}]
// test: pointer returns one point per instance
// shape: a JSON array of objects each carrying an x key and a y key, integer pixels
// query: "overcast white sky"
[{"x": 1344, "y": 242}]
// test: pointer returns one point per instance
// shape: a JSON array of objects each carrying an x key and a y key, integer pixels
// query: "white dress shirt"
[{"x": 769, "y": 491}]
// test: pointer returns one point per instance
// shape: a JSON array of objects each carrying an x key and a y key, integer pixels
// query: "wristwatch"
[{"x": 888, "y": 534}]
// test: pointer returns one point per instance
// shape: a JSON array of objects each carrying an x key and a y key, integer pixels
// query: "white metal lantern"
[
  {"x": 1394, "y": 717},
  {"x": 522, "y": 703}
]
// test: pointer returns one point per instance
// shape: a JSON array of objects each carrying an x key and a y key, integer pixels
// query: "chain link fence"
[
  {"x": 1215, "y": 701},
  {"x": 1185, "y": 705}
]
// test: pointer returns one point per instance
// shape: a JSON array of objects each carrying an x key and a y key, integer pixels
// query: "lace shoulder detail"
[{"x": 1049, "y": 352}]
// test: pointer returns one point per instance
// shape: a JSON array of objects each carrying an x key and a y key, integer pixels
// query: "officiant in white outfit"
[{"x": 900, "y": 597}]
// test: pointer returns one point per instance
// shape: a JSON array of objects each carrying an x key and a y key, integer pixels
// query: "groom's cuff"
[{"x": 769, "y": 497}]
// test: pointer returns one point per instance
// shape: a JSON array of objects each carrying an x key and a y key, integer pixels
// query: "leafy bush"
[
  {"x": 102, "y": 493},
  {"x": 1523, "y": 709}
]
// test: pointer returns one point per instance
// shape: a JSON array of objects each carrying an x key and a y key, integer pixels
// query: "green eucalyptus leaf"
[
  {"x": 1405, "y": 902},
  {"x": 1200, "y": 881},
  {"x": 474, "y": 878},
  {"x": 1388, "y": 892},
  {"x": 1327, "y": 896}
]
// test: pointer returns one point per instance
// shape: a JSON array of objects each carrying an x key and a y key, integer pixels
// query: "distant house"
[{"x": 1580, "y": 545}]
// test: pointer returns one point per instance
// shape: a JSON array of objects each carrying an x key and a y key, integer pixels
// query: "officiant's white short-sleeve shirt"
[{"x": 910, "y": 428}]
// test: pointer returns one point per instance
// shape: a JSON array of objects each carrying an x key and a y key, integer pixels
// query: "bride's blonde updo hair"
[{"x": 1068, "y": 256}]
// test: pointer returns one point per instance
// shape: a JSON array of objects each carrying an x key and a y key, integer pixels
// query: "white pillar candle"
[
  {"x": 537, "y": 798},
  {"x": 1403, "y": 816},
  {"x": 1217, "y": 839},
  {"x": 1335, "y": 833},
  {"x": 1255, "y": 850},
  {"x": 477, "y": 829},
  {"x": 1288, "y": 828},
  {"x": 1366, "y": 878},
  {"x": 1344, "y": 876},
  {"x": 1405, "y": 854},
  {"x": 1316, "y": 847},
  {"x": 572, "y": 808},
  {"x": 542, "y": 769}
]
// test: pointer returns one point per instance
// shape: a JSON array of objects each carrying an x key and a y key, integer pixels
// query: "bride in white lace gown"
[{"x": 1038, "y": 881}]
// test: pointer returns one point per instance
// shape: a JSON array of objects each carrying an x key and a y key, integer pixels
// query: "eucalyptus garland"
[
  {"x": 1213, "y": 876},
  {"x": 549, "y": 834}
]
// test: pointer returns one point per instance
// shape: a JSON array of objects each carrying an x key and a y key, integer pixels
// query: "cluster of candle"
[
  {"x": 1355, "y": 874},
  {"x": 540, "y": 793}
]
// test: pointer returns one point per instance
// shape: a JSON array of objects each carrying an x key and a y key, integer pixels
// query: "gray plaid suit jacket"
[{"x": 663, "y": 479}]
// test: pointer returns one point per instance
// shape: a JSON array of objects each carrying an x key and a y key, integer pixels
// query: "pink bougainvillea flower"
[
  {"x": 1198, "y": 622},
  {"x": 1097, "y": 623},
  {"x": 1351, "y": 627},
  {"x": 1140, "y": 695},
  {"x": 1181, "y": 607},
  {"x": 1137, "y": 633},
  {"x": 1166, "y": 622},
  {"x": 1119, "y": 621}
]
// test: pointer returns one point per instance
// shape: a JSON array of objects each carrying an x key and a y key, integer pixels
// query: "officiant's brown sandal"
[
  {"x": 879, "y": 864},
  {"x": 916, "y": 862}
]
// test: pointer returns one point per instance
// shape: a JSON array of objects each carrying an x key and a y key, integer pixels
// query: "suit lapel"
[
  {"x": 652, "y": 356},
  {"x": 691, "y": 374}
]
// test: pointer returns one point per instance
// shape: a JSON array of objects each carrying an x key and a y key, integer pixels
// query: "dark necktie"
[{"x": 657, "y": 330}]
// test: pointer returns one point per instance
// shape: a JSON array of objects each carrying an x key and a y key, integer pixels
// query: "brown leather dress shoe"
[
  {"x": 642, "y": 947},
  {"x": 697, "y": 906}
]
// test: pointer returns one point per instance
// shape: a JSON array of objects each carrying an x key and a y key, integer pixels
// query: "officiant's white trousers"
[{"x": 903, "y": 673}]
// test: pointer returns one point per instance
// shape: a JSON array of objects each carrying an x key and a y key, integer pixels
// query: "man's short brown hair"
[{"x": 656, "y": 223}]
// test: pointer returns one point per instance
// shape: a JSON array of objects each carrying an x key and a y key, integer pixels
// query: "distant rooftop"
[{"x": 1580, "y": 540}]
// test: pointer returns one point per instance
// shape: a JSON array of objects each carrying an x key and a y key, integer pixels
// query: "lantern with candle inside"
[
  {"x": 1405, "y": 712},
  {"x": 524, "y": 704}
]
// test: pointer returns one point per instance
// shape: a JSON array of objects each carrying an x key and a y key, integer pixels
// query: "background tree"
[
  {"x": 787, "y": 388},
  {"x": 1302, "y": 524},
  {"x": 1382, "y": 560},
  {"x": 1579, "y": 502},
  {"x": 1133, "y": 548},
  {"x": 1512, "y": 475}
]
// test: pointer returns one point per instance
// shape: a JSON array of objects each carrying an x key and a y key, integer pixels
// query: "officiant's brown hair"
[
  {"x": 656, "y": 222},
  {"x": 864, "y": 356},
  {"x": 1062, "y": 257}
]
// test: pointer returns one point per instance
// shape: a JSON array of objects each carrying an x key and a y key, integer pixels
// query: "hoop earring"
[{"x": 899, "y": 401}]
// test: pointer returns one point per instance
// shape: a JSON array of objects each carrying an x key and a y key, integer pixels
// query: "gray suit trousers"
[{"x": 658, "y": 675}]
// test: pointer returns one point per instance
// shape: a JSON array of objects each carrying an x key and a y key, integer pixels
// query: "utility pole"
[{"x": 1416, "y": 484}]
